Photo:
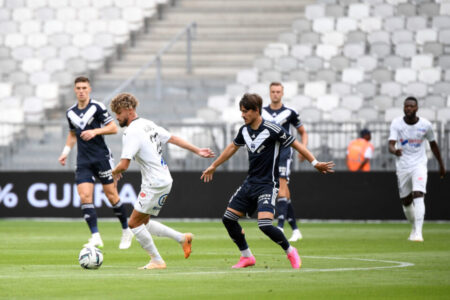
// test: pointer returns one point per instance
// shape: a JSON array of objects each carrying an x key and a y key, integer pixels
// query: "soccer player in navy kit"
[
  {"x": 263, "y": 140},
  {"x": 284, "y": 116},
  {"x": 88, "y": 122}
]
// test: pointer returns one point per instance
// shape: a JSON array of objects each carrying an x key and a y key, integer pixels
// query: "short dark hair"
[
  {"x": 275, "y": 83},
  {"x": 251, "y": 101},
  {"x": 81, "y": 79},
  {"x": 364, "y": 132},
  {"x": 411, "y": 98}
]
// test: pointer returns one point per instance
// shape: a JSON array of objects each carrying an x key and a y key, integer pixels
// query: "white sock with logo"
[
  {"x": 158, "y": 229},
  {"x": 145, "y": 239},
  {"x": 419, "y": 209}
]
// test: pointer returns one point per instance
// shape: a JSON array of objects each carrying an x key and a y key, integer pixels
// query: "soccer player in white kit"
[
  {"x": 142, "y": 141},
  {"x": 407, "y": 142}
]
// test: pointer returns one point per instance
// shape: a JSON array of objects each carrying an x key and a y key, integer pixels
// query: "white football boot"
[
  {"x": 95, "y": 241},
  {"x": 296, "y": 235},
  {"x": 127, "y": 237}
]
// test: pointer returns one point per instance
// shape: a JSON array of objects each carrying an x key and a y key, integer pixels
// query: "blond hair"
[{"x": 123, "y": 101}]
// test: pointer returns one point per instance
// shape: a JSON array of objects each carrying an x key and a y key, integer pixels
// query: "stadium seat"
[
  {"x": 352, "y": 102},
  {"x": 288, "y": 38},
  {"x": 367, "y": 114},
  {"x": 301, "y": 76},
  {"x": 271, "y": 75},
  {"x": 430, "y": 75},
  {"x": 443, "y": 114},
  {"x": 392, "y": 113},
  {"x": 367, "y": 89},
  {"x": 48, "y": 92},
  {"x": 301, "y": 25},
  {"x": 299, "y": 102},
  {"x": 301, "y": 51},
  {"x": 441, "y": 22},
  {"x": 339, "y": 63},
  {"x": 356, "y": 36},
  {"x": 333, "y": 38},
  {"x": 345, "y": 25},
  {"x": 406, "y": 9},
  {"x": 235, "y": 90},
  {"x": 390, "y": 88},
  {"x": 33, "y": 109},
  {"x": 417, "y": 89},
  {"x": 286, "y": 64},
  {"x": 444, "y": 36},
  {"x": 314, "y": 11},
  {"x": 444, "y": 61},
  {"x": 323, "y": 25},
  {"x": 290, "y": 89},
  {"x": 341, "y": 114},
  {"x": 311, "y": 114},
  {"x": 426, "y": 35},
  {"x": 259, "y": 88},
  {"x": 326, "y": 51},
  {"x": 415, "y": 23},
  {"x": 340, "y": 88},
  {"x": 367, "y": 63},
  {"x": 327, "y": 102},
  {"x": 39, "y": 77},
  {"x": 313, "y": 63},
  {"x": 379, "y": 36},
  {"x": 5, "y": 89},
  {"x": 427, "y": 113},
  {"x": 405, "y": 75},
  {"x": 380, "y": 50},
  {"x": 393, "y": 62},
  {"x": 315, "y": 89},
  {"x": 353, "y": 75},
  {"x": 434, "y": 101},
  {"x": 310, "y": 38},
  {"x": 382, "y": 102},
  {"x": 358, "y": 11},
  {"x": 402, "y": 36},
  {"x": 406, "y": 50},
  {"x": 327, "y": 75},
  {"x": 441, "y": 88},
  {"x": 353, "y": 50},
  {"x": 383, "y": 10},
  {"x": 247, "y": 77},
  {"x": 263, "y": 63},
  {"x": 334, "y": 10},
  {"x": 428, "y": 9},
  {"x": 276, "y": 50},
  {"x": 370, "y": 24},
  {"x": 218, "y": 102}
]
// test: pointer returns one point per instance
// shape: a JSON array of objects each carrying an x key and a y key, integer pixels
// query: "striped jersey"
[
  {"x": 263, "y": 147},
  {"x": 94, "y": 115}
]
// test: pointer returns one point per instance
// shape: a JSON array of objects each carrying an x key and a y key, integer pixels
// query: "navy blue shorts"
[
  {"x": 251, "y": 197},
  {"x": 284, "y": 166},
  {"x": 100, "y": 169}
]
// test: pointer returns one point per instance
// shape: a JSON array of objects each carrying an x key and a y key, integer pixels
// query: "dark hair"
[
  {"x": 364, "y": 132},
  {"x": 411, "y": 98},
  {"x": 251, "y": 101},
  {"x": 81, "y": 79},
  {"x": 275, "y": 83}
]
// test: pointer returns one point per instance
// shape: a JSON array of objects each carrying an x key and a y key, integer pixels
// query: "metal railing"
[
  {"x": 189, "y": 30},
  {"x": 36, "y": 146}
]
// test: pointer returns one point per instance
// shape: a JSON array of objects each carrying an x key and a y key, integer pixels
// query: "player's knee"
[
  {"x": 407, "y": 200},
  {"x": 417, "y": 194},
  {"x": 265, "y": 225}
]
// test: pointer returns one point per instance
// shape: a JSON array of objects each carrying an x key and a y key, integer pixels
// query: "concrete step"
[
  {"x": 214, "y": 29},
  {"x": 168, "y": 59},
  {"x": 209, "y": 45}
]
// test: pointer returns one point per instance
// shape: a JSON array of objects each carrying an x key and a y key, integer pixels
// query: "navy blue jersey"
[
  {"x": 263, "y": 146},
  {"x": 284, "y": 116},
  {"x": 94, "y": 115}
]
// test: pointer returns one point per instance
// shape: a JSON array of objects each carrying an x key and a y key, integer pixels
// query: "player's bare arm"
[
  {"x": 121, "y": 167},
  {"x": 393, "y": 150},
  {"x": 304, "y": 136},
  {"x": 70, "y": 142},
  {"x": 437, "y": 153},
  {"x": 322, "y": 167},
  {"x": 110, "y": 128},
  {"x": 182, "y": 143},
  {"x": 229, "y": 151}
]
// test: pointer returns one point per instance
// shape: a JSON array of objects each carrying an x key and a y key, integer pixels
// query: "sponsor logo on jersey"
[
  {"x": 142, "y": 195},
  {"x": 162, "y": 199}
]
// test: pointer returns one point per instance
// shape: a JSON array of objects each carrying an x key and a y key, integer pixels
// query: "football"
[{"x": 90, "y": 258}]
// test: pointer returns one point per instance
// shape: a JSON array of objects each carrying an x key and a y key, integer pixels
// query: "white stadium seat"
[
  {"x": 405, "y": 75},
  {"x": 353, "y": 75},
  {"x": 276, "y": 50},
  {"x": 370, "y": 24},
  {"x": 392, "y": 113},
  {"x": 315, "y": 89},
  {"x": 352, "y": 102},
  {"x": 5, "y": 89},
  {"x": 430, "y": 75},
  {"x": 346, "y": 25},
  {"x": 358, "y": 11},
  {"x": 247, "y": 77},
  {"x": 218, "y": 102},
  {"x": 327, "y": 102},
  {"x": 314, "y": 11},
  {"x": 299, "y": 102},
  {"x": 422, "y": 61},
  {"x": 290, "y": 88},
  {"x": 259, "y": 88},
  {"x": 301, "y": 51},
  {"x": 323, "y": 25},
  {"x": 31, "y": 65}
]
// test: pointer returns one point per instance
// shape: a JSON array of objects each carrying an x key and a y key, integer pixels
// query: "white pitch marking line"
[{"x": 397, "y": 264}]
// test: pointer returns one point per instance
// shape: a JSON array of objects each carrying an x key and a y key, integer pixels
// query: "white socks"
[
  {"x": 409, "y": 213},
  {"x": 158, "y": 229},
  {"x": 419, "y": 214},
  {"x": 145, "y": 239},
  {"x": 246, "y": 253}
]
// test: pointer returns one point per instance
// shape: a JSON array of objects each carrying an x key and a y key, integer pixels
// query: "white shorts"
[
  {"x": 151, "y": 200},
  {"x": 412, "y": 180}
]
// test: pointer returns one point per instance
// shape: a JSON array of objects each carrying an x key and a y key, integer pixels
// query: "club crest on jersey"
[
  {"x": 142, "y": 195},
  {"x": 162, "y": 199}
]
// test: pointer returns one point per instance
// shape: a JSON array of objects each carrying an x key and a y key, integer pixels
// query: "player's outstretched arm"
[
  {"x": 322, "y": 167},
  {"x": 70, "y": 142},
  {"x": 110, "y": 128},
  {"x": 437, "y": 153},
  {"x": 229, "y": 151},
  {"x": 182, "y": 143}
]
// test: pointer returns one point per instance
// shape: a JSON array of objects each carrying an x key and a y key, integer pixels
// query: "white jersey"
[
  {"x": 411, "y": 139},
  {"x": 142, "y": 141}
]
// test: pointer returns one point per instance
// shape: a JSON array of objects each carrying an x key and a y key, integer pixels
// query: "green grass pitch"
[{"x": 38, "y": 260}]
